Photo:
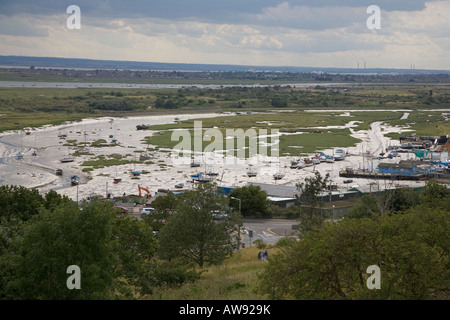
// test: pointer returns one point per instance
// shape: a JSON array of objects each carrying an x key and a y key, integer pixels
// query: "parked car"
[
  {"x": 219, "y": 214},
  {"x": 120, "y": 210},
  {"x": 145, "y": 211}
]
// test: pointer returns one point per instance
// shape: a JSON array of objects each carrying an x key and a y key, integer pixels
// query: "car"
[
  {"x": 145, "y": 211},
  {"x": 219, "y": 214},
  {"x": 120, "y": 210}
]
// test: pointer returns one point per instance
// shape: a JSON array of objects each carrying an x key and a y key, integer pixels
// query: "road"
[{"x": 268, "y": 230}]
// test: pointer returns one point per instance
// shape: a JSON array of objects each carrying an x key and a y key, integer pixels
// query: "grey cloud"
[{"x": 204, "y": 10}]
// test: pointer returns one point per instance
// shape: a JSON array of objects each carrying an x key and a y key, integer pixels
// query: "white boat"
[
  {"x": 339, "y": 154},
  {"x": 278, "y": 176},
  {"x": 74, "y": 180},
  {"x": 301, "y": 164},
  {"x": 67, "y": 159},
  {"x": 204, "y": 178},
  {"x": 308, "y": 162},
  {"x": 316, "y": 160},
  {"x": 329, "y": 159},
  {"x": 298, "y": 164},
  {"x": 251, "y": 173}
]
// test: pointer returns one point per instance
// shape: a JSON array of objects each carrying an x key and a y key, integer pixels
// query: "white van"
[{"x": 145, "y": 211}]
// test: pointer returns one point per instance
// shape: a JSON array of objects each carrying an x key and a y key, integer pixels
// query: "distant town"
[{"x": 24, "y": 68}]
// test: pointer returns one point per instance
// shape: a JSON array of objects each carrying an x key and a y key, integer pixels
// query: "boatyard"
[{"x": 57, "y": 157}]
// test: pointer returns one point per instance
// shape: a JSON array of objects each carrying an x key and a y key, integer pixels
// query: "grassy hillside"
[{"x": 236, "y": 279}]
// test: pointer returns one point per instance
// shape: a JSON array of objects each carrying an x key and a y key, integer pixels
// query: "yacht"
[
  {"x": 298, "y": 164},
  {"x": 329, "y": 159},
  {"x": 339, "y": 154},
  {"x": 252, "y": 173},
  {"x": 278, "y": 176}
]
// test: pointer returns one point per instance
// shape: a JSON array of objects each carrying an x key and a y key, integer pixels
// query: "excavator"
[{"x": 144, "y": 189}]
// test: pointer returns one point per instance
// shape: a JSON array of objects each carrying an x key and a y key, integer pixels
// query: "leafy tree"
[
  {"x": 53, "y": 199},
  {"x": 253, "y": 200},
  {"x": 135, "y": 246},
  {"x": 411, "y": 250},
  {"x": 311, "y": 215},
  {"x": 194, "y": 234},
  {"x": 164, "y": 207},
  {"x": 367, "y": 208},
  {"x": 54, "y": 240},
  {"x": 19, "y": 202},
  {"x": 435, "y": 195}
]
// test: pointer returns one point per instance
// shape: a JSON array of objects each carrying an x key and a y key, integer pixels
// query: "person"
[
  {"x": 265, "y": 255},
  {"x": 259, "y": 255}
]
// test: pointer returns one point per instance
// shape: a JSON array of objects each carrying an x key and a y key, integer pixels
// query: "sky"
[{"x": 304, "y": 33}]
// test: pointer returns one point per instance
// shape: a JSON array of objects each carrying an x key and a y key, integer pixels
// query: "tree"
[
  {"x": 194, "y": 233},
  {"x": 367, "y": 208},
  {"x": 135, "y": 246},
  {"x": 164, "y": 207},
  {"x": 311, "y": 215},
  {"x": 52, "y": 200},
  {"x": 411, "y": 250},
  {"x": 54, "y": 240},
  {"x": 253, "y": 200},
  {"x": 435, "y": 195},
  {"x": 19, "y": 202}
]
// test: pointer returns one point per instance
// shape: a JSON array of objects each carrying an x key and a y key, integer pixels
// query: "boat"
[
  {"x": 204, "y": 178},
  {"x": 348, "y": 181},
  {"x": 145, "y": 156},
  {"x": 20, "y": 155},
  {"x": 308, "y": 162},
  {"x": 82, "y": 151},
  {"x": 136, "y": 173},
  {"x": 195, "y": 164},
  {"x": 59, "y": 172},
  {"x": 251, "y": 173},
  {"x": 316, "y": 160},
  {"x": 179, "y": 186},
  {"x": 142, "y": 126},
  {"x": 278, "y": 176},
  {"x": 75, "y": 180},
  {"x": 301, "y": 164},
  {"x": 67, "y": 159},
  {"x": 329, "y": 159},
  {"x": 339, "y": 154},
  {"x": 298, "y": 164},
  {"x": 117, "y": 179}
]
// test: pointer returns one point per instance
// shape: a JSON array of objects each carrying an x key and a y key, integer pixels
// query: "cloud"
[
  {"x": 269, "y": 32},
  {"x": 22, "y": 26}
]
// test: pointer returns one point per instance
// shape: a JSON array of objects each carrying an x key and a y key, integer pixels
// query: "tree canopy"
[
  {"x": 201, "y": 230},
  {"x": 411, "y": 246}
]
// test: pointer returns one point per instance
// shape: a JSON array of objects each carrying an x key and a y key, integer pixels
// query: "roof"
[
  {"x": 276, "y": 199},
  {"x": 398, "y": 165},
  {"x": 278, "y": 191}
]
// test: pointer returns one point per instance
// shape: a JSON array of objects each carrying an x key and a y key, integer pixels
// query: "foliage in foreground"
[{"x": 411, "y": 247}]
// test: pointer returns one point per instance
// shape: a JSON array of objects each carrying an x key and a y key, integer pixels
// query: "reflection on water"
[{"x": 28, "y": 84}]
